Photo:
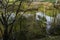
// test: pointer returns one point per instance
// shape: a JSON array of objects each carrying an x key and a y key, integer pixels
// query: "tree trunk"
[{"x": 6, "y": 35}]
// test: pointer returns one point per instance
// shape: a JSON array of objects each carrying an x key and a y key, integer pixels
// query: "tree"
[
  {"x": 6, "y": 10},
  {"x": 5, "y": 18}
]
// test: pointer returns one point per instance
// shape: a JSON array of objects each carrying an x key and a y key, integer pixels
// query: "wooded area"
[{"x": 29, "y": 20}]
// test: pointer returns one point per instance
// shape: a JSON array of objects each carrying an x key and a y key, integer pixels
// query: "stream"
[{"x": 48, "y": 18}]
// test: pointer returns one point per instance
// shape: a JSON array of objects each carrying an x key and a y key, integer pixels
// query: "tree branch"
[{"x": 1, "y": 21}]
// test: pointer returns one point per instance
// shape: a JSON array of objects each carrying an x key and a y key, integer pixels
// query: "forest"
[{"x": 29, "y": 19}]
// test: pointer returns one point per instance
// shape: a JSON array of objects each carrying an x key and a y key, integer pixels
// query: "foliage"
[{"x": 22, "y": 27}]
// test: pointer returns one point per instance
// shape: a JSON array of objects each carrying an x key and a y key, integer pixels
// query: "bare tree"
[
  {"x": 6, "y": 11},
  {"x": 5, "y": 17}
]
